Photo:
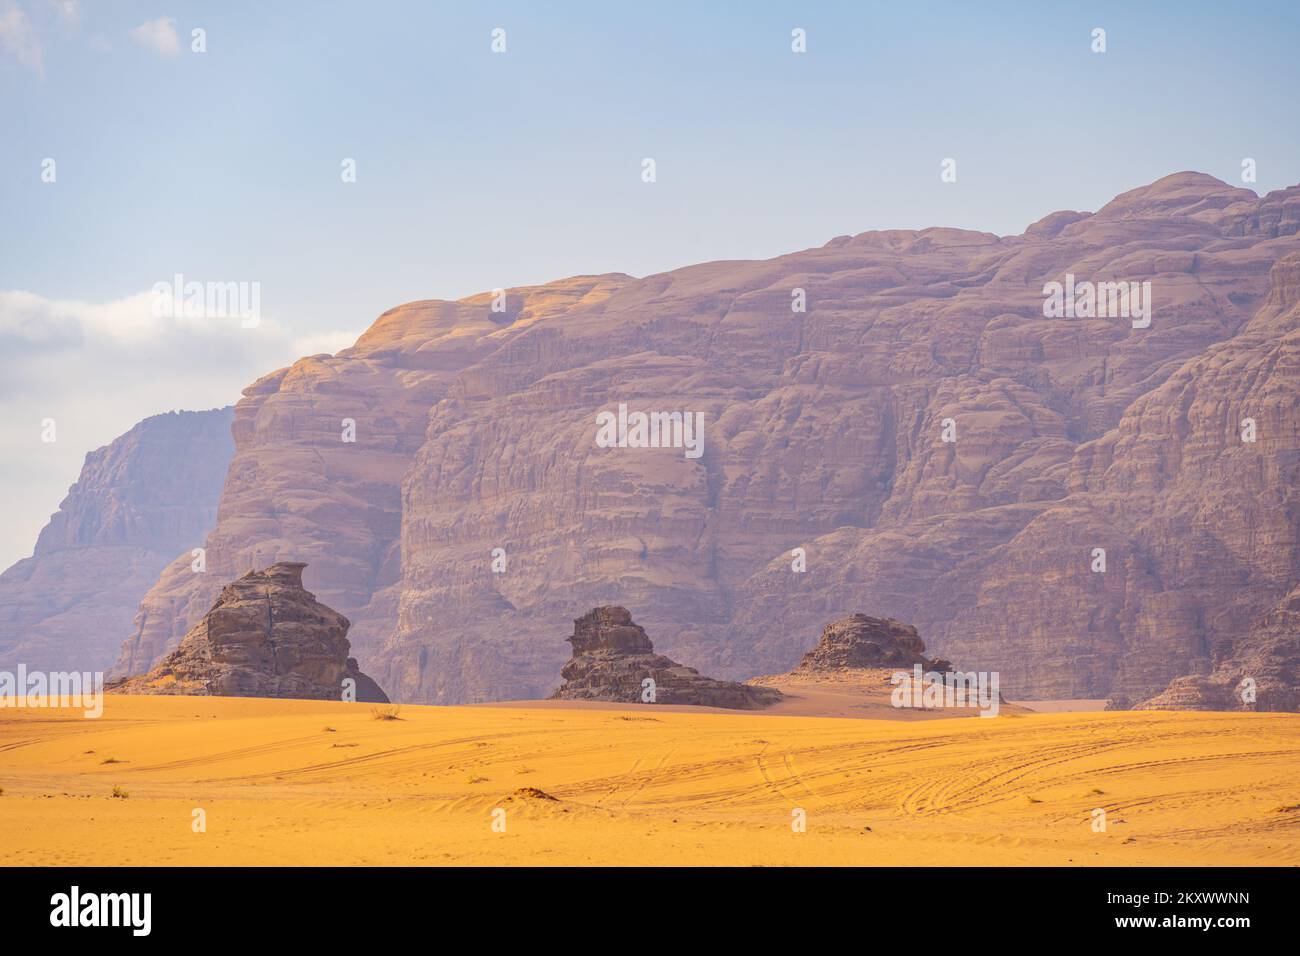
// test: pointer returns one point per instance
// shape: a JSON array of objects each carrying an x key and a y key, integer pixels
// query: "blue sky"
[{"x": 477, "y": 170}]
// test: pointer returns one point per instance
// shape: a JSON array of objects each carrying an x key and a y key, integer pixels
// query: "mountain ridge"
[{"x": 823, "y": 434}]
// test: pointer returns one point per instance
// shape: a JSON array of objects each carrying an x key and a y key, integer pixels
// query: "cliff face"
[
  {"x": 1261, "y": 672},
  {"x": 1224, "y": 522},
  {"x": 823, "y": 431},
  {"x": 139, "y": 502},
  {"x": 266, "y": 636}
]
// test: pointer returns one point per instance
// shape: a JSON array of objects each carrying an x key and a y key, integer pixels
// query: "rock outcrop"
[
  {"x": 859, "y": 642},
  {"x": 475, "y": 507},
  {"x": 265, "y": 637},
  {"x": 613, "y": 657},
  {"x": 139, "y": 501}
]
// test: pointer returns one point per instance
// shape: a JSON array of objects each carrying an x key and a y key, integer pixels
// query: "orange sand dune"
[{"x": 307, "y": 783}]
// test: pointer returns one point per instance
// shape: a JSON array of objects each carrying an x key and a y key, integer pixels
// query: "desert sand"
[{"x": 326, "y": 783}]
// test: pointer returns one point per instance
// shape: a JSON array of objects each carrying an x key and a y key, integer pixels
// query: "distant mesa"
[
  {"x": 859, "y": 649},
  {"x": 852, "y": 672},
  {"x": 613, "y": 657},
  {"x": 859, "y": 642},
  {"x": 266, "y": 636}
]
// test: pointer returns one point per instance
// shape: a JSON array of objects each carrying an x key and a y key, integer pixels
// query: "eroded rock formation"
[
  {"x": 266, "y": 636},
  {"x": 861, "y": 642},
  {"x": 139, "y": 502},
  {"x": 613, "y": 657}
]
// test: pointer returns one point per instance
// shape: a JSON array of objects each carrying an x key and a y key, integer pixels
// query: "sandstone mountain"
[
  {"x": 475, "y": 508},
  {"x": 265, "y": 637},
  {"x": 613, "y": 657},
  {"x": 139, "y": 501}
]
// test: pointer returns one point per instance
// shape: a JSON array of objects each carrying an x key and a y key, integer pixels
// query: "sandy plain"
[{"x": 326, "y": 783}]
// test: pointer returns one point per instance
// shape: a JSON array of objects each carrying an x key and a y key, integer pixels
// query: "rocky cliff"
[
  {"x": 139, "y": 502},
  {"x": 890, "y": 420},
  {"x": 613, "y": 659},
  {"x": 1259, "y": 672},
  {"x": 266, "y": 636}
]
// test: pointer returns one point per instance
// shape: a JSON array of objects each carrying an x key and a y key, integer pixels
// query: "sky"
[{"x": 478, "y": 169}]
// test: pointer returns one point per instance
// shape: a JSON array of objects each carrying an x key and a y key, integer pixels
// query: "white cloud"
[
  {"x": 97, "y": 369},
  {"x": 18, "y": 38},
  {"x": 159, "y": 36},
  {"x": 69, "y": 11}
]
